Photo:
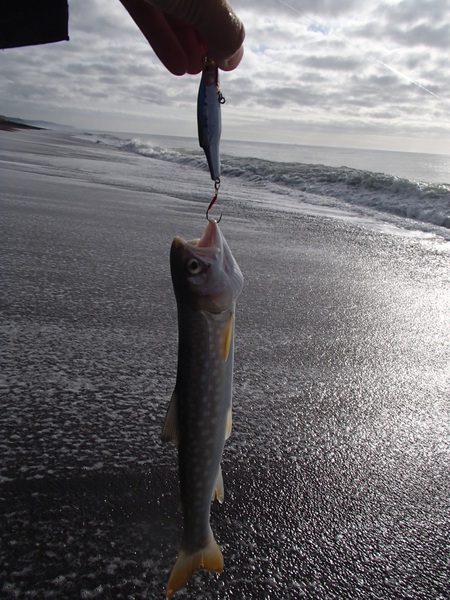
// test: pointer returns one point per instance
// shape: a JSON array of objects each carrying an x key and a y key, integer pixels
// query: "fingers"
[
  {"x": 159, "y": 34},
  {"x": 219, "y": 27},
  {"x": 193, "y": 47},
  {"x": 182, "y": 32}
]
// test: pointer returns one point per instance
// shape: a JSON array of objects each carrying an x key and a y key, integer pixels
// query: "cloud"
[
  {"x": 409, "y": 12},
  {"x": 424, "y": 35},
  {"x": 286, "y": 7},
  {"x": 331, "y": 63},
  {"x": 330, "y": 68}
]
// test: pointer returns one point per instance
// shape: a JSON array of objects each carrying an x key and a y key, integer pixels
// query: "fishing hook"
[{"x": 211, "y": 204}]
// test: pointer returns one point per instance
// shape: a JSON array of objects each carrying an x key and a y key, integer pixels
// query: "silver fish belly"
[{"x": 207, "y": 282}]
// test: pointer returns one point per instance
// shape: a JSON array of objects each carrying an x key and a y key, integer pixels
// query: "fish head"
[{"x": 205, "y": 275}]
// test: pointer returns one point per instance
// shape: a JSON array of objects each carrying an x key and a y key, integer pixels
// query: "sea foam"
[{"x": 316, "y": 183}]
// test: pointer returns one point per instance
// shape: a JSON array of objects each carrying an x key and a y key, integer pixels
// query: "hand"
[{"x": 183, "y": 32}]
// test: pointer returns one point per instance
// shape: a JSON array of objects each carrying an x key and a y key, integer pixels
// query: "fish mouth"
[
  {"x": 210, "y": 235},
  {"x": 219, "y": 273},
  {"x": 210, "y": 242}
]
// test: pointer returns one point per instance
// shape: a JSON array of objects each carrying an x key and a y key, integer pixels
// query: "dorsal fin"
[{"x": 218, "y": 493}]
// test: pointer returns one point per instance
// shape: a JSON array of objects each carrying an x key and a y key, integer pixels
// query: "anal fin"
[
  {"x": 218, "y": 493},
  {"x": 229, "y": 423}
]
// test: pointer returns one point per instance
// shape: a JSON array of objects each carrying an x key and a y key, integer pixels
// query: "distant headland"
[{"x": 7, "y": 124}]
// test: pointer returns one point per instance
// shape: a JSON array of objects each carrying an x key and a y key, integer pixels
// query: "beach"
[{"x": 336, "y": 473}]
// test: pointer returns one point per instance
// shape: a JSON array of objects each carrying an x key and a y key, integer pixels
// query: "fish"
[
  {"x": 207, "y": 282},
  {"x": 209, "y": 119}
]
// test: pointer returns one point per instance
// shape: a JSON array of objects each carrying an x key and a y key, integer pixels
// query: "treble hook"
[{"x": 211, "y": 204}]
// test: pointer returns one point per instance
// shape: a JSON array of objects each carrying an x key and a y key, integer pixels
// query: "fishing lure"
[{"x": 209, "y": 121}]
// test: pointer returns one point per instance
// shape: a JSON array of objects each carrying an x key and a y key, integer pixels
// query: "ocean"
[{"x": 407, "y": 190}]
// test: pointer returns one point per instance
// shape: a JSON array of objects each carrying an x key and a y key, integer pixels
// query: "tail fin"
[{"x": 210, "y": 558}]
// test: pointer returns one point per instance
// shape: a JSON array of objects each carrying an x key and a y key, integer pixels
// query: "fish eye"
[{"x": 193, "y": 266}]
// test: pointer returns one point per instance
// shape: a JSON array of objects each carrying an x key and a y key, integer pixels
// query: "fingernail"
[{"x": 232, "y": 62}]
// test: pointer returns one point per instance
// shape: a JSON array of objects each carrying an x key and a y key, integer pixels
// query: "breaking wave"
[{"x": 421, "y": 201}]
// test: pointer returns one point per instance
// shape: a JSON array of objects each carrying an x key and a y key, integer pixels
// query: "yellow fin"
[
  {"x": 170, "y": 427},
  {"x": 210, "y": 558},
  {"x": 229, "y": 423},
  {"x": 218, "y": 493},
  {"x": 227, "y": 338}
]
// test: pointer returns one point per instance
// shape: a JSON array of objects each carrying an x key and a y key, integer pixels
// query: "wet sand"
[{"x": 336, "y": 473}]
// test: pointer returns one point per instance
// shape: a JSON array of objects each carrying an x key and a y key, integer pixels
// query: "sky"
[{"x": 373, "y": 74}]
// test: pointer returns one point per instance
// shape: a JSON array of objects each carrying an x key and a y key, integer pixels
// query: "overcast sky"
[{"x": 373, "y": 74}]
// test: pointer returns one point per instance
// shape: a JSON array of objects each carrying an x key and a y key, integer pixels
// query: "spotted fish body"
[{"x": 207, "y": 282}]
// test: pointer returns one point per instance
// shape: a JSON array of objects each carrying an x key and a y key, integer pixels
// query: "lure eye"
[{"x": 193, "y": 266}]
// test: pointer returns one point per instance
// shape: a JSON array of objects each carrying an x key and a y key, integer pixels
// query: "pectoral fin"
[
  {"x": 170, "y": 427},
  {"x": 227, "y": 337}
]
